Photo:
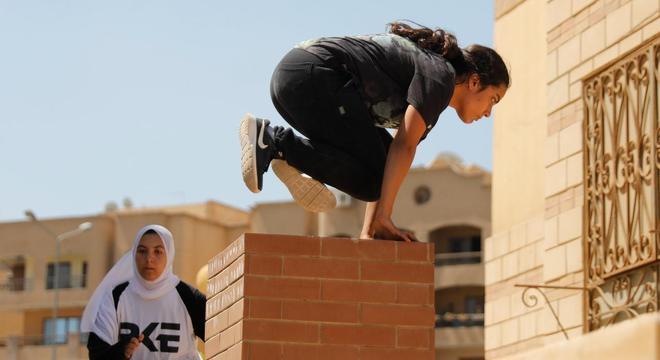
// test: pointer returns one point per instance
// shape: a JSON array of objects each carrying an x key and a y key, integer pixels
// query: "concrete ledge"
[
  {"x": 637, "y": 339},
  {"x": 459, "y": 338}
]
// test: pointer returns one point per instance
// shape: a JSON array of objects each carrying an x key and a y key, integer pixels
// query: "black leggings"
[{"x": 343, "y": 147}]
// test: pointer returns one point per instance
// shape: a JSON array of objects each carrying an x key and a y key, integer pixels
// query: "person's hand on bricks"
[{"x": 384, "y": 229}]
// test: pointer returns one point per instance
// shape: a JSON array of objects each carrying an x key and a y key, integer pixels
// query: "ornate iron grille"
[{"x": 621, "y": 167}]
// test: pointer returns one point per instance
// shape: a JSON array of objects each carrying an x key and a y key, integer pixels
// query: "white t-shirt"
[{"x": 165, "y": 323}]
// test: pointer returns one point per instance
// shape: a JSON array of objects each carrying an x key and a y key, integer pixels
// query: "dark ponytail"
[{"x": 474, "y": 59}]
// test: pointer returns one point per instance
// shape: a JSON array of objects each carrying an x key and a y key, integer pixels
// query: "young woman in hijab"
[
  {"x": 141, "y": 310},
  {"x": 342, "y": 92}
]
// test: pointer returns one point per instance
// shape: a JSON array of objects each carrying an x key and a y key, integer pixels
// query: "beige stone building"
[
  {"x": 575, "y": 182},
  {"x": 27, "y": 264},
  {"x": 447, "y": 204}
]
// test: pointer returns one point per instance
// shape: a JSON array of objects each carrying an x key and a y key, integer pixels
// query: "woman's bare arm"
[{"x": 399, "y": 159}]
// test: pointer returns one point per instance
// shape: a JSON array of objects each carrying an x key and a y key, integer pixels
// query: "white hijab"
[{"x": 126, "y": 270}]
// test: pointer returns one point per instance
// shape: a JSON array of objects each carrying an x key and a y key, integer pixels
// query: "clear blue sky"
[{"x": 105, "y": 100}]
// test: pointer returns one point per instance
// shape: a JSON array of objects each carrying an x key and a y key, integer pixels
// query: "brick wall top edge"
[
  {"x": 226, "y": 256},
  {"x": 290, "y": 245}
]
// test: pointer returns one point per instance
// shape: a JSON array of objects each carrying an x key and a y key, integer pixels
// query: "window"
[
  {"x": 455, "y": 245},
  {"x": 56, "y": 331},
  {"x": 18, "y": 277},
  {"x": 64, "y": 275},
  {"x": 83, "y": 280},
  {"x": 474, "y": 304},
  {"x": 621, "y": 149},
  {"x": 422, "y": 195},
  {"x": 12, "y": 274},
  {"x": 459, "y": 306}
]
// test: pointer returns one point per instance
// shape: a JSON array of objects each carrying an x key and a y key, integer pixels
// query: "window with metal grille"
[{"x": 622, "y": 188}]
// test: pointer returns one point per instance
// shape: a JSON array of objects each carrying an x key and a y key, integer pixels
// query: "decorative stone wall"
[{"x": 583, "y": 37}]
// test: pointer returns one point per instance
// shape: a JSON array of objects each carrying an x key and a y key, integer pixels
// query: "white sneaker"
[
  {"x": 311, "y": 194},
  {"x": 257, "y": 150}
]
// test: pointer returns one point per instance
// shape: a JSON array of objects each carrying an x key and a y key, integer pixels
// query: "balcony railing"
[
  {"x": 457, "y": 258},
  {"x": 70, "y": 282},
  {"x": 23, "y": 340},
  {"x": 16, "y": 284},
  {"x": 456, "y": 320},
  {"x": 43, "y": 340}
]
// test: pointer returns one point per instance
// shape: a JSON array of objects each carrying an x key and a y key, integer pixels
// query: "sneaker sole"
[
  {"x": 311, "y": 194},
  {"x": 247, "y": 135}
]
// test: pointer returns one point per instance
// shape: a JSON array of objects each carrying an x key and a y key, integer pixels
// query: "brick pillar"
[{"x": 291, "y": 297}]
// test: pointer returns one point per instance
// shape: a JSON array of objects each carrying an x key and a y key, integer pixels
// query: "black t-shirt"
[{"x": 392, "y": 72}]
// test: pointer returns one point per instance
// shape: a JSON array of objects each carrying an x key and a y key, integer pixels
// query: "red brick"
[
  {"x": 236, "y": 352},
  {"x": 212, "y": 346},
  {"x": 263, "y": 265},
  {"x": 285, "y": 288},
  {"x": 217, "y": 323},
  {"x": 311, "y": 298},
  {"x": 358, "y": 291},
  {"x": 225, "y": 299},
  {"x": 272, "y": 330},
  {"x": 359, "y": 249},
  {"x": 231, "y": 336},
  {"x": 321, "y": 268},
  {"x": 363, "y": 335},
  {"x": 226, "y": 277},
  {"x": 320, "y": 352},
  {"x": 415, "y": 338},
  {"x": 398, "y": 314},
  {"x": 282, "y": 245},
  {"x": 236, "y": 312},
  {"x": 320, "y": 311},
  {"x": 399, "y": 272},
  {"x": 395, "y": 354},
  {"x": 265, "y": 308},
  {"x": 415, "y": 294},
  {"x": 418, "y": 251},
  {"x": 263, "y": 351},
  {"x": 224, "y": 319},
  {"x": 226, "y": 256}
]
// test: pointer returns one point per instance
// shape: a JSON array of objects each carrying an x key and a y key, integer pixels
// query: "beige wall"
[
  {"x": 542, "y": 244},
  {"x": 67, "y": 351},
  {"x": 38, "y": 247},
  {"x": 519, "y": 124},
  {"x": 285, "y": 218},
  {"x": 457, "y": 198},
  {"x": 459, "y": 354},
  {"x": 13, "y": 323},
  {"x": 460, "y": 195},
  {"x": 210, "y": 210}
]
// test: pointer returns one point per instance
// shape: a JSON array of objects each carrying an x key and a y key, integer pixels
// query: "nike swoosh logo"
[{"x": 260, "y": 139}]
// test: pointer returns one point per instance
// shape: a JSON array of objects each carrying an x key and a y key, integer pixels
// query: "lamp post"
[{"x": 58, "y": 238}]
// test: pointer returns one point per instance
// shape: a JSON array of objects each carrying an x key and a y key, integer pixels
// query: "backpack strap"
[
  {"x": 116, "y": 292},
  {"x": 195, "y": 303}
]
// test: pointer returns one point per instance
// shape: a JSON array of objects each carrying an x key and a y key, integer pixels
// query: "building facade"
[
  {"x": 575, "y": 207},
  {"x": 28, "y": 261}
]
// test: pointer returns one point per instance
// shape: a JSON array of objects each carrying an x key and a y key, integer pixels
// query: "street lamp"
[{"x": 58, "y": 238}]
